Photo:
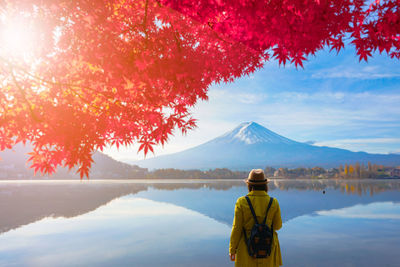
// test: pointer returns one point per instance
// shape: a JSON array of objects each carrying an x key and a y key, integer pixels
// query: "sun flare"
[{"x": 17, "y": 38}]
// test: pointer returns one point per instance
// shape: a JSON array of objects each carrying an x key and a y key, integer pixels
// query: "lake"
[{"x": 188, "y": 223}]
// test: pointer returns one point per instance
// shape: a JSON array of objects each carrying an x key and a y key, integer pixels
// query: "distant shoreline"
[{"x": 182, "y": 180}]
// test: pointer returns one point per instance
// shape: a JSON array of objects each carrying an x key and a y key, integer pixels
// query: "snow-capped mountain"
[
  {"x": 252, "y": 133},
  {"x": 251, "y": 145}
]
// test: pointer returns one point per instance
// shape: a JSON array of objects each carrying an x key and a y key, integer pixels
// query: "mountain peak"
[
  {"x": 252, "y": 133},
  {"x": 249, "y": 124},
  {"x": 251, "y": 146}
]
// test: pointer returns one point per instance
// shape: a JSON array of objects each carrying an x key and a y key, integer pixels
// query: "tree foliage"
[
  {"x": 98, "y": 73},
  {"x": 291, "y": 30}
]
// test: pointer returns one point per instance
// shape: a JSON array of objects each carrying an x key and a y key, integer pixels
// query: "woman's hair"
[{"x": 260, "y": 187}]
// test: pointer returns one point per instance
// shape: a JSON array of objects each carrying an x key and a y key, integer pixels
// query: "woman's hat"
[{"x": 256, "y": 176}]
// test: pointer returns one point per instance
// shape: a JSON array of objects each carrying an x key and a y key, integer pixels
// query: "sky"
[{"x": 334, "y": 101}]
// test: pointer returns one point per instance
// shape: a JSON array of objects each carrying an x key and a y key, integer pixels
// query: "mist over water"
[{"x": 188, "y": 223}]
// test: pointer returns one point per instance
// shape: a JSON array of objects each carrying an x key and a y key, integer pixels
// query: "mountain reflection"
[
  {"x": 359, "y": 187},
  {"x": 26, "y": 202}
]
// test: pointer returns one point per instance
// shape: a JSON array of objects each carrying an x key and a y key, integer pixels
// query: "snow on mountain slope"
[
  {"x": 252, "y": 133},
  {"x": 251, "y": 145}
]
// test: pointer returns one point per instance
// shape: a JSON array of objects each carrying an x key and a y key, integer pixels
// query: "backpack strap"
[
  {"x": 245, "y": 235},
  {"x": 269, "y": 206},
  {"x": 252, "y": 210},
  {"x": 247, "y": 242}
]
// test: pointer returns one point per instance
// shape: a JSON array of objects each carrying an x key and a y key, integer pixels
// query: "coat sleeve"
[
  {"x": 237, "y": 228},
  {"x": 277, "y": 220}
]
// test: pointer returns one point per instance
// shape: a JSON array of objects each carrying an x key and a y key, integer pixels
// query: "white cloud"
[
  {"x": 338, "y": 96},
  {"x": 365, "y": 140},
  {"x": 224, "y": 95},
  {"x": 365, "y": 73},
  {"x": 249, "y": 98},
  {"x": 371, "y": 145}
]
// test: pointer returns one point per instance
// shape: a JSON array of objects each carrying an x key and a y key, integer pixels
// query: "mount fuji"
[{"x": 251, "y": 145}]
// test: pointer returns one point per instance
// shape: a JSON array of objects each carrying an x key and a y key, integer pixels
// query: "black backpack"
[{"x": 259, "y": 243}]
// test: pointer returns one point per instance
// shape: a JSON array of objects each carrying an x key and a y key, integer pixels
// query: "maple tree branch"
[
  {"x": 178, "y": 43},
  {"x": 67, "y": 85},
  {"x": 217, "y": 35},
  {"x": 33, "y": 115},
  {"x": 176, "y": 32},
  {"x": 54, "y": 83}
]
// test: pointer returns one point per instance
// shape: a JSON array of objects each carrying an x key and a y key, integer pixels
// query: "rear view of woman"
[{"x": 256, "y": 245}]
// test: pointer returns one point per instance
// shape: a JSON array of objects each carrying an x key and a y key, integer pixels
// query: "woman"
[{"x": 258, "y": 188}]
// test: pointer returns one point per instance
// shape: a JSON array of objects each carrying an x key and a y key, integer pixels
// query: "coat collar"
[{"x": 257, "y": 193}]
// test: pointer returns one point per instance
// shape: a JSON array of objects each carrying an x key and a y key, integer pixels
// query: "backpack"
[{"x": 259, "y": 243}]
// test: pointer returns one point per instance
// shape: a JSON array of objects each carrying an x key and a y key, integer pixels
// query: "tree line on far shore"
[{"x": 348, "y": 171}]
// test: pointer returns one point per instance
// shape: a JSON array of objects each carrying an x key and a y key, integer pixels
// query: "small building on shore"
[{"x": 395, "y": 172}]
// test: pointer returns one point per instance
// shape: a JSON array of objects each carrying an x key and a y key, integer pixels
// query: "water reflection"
[
  {"x": 25, "y": 202},
  {"x": 376, "y": 210},
  {"x": 359, "y": 187},
  {"x": 127, "y": 231},
  {"x": 361, "y": 235},
  {"x": 128, "y": 222}
]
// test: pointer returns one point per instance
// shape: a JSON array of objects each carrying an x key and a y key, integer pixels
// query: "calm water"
[{"x": 175, "y": 223}]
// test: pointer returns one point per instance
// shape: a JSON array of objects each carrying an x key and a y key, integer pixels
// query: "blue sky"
[{"x": 334, "y": 101}]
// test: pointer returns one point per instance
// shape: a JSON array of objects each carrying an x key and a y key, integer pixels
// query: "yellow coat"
[{"x": 244, "y": 218}]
